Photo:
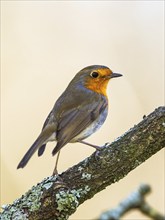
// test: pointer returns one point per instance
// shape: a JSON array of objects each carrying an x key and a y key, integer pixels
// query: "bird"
[{"x": 78, "y": 112}]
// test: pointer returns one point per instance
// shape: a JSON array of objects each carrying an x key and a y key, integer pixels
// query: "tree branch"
[
  {"x": 57, "y": 197},
  {"x": 136, "y": 200}
]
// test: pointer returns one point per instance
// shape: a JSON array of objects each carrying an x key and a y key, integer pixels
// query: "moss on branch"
[{"x": 57, "y": 197}]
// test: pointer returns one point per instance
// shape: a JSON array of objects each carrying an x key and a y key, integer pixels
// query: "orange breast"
[{"x": 97, "y": 85}]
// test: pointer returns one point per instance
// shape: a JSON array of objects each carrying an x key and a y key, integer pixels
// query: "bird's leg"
[
  {"x": 60, "y": 182},
  {"x": 92, "y": 145},
  {"x": 55, "y": 172}
]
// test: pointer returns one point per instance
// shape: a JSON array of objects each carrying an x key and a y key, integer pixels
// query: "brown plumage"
[{"x": 78, "y": 112}]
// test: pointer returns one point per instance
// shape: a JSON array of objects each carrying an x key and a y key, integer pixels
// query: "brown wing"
[{"x": 74, "y": 121}]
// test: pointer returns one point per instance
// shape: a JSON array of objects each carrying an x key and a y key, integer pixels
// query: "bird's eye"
[{"x": 94, "y": 74}]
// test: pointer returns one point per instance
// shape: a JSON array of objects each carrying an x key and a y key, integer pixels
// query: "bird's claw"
[{"x": 99, "y": 148}]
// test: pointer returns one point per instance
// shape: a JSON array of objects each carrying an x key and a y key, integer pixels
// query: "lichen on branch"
[{"x": 57, "y": 197}]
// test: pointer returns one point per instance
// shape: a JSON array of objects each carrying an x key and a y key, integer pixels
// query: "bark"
[{"x": 57, "y": 197}]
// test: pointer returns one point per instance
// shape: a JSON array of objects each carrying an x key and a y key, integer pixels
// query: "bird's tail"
[
  {"x": 29, "y": 154},
  {"x": 41, "y": 150},
  {"x": 41, "y": 140}
]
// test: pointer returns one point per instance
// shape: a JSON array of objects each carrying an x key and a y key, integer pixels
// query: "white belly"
[{"x": 92, "y": 128}]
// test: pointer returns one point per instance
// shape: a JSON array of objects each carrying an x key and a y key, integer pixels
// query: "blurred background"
[{"x": 44, "y": 44}]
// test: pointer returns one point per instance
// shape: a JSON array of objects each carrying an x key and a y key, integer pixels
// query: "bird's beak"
[{"x": 113, "y": 75}]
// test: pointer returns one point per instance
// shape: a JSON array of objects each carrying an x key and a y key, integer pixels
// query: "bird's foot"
[
  {"x": 59, "y": 183},
  {"x": 55, "y": 172},
  {"x": 101, "y": 148}
]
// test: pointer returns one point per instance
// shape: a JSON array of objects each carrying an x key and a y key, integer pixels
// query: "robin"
[{"x": 79, "y": 112}]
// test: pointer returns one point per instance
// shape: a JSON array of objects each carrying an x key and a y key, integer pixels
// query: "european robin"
[{"x": 79, "y": 112}]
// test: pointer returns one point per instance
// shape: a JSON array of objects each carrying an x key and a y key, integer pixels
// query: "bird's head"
[{"x": 96, "y": 78}]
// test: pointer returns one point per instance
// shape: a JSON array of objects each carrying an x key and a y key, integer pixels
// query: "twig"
[{"x": 136, "y": 200}]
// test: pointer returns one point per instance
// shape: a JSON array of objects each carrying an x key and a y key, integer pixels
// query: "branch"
[
  {"x": 135, "y": 200},
  {"x": 57, "y": 197}
]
